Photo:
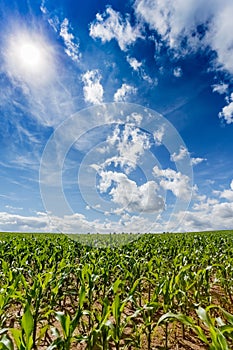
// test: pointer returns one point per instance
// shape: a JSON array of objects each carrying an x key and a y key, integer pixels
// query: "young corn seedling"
[
  {"x": 68, "y": 325},
  {"x": 23, "y": 337}
]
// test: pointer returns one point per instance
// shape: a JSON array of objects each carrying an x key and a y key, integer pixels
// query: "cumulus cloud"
[
  {"x": 209, "y": 215},
  {"x": 124, "y": 92},
  {"x": 176, "y": 182},
  {"x": 221, "y": 88},
  {"x": 183, "y": 153},
  {"x": 93, "y": 90},
  {"x": 226, "y": 193},
  {"x": 72, "y": 48},
  {"x": 130, "y": 144},
  {"x": 227, "y": 111},
  {"x": 41, "y": 222},
  {"x": 111, "y": 25},
  {"x": 131, "y": 197},
  {"x": 192, "y": 25}
]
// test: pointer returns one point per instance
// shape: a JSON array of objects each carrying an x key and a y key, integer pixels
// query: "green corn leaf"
[
  {"x": 82, "y": 295},
  {"x": 64, "y": 321},
  {"x": 116, "y": 307},
  {"x": 187, "y": 321},
  {"x": 227, "y": 329},
  {"x": 219, "y": 341},
  {"x": 17, "y": 335},
  {"x": 116, "y": 285},
  {"x": 27, "y": 322},
  {"x": 134, "y": 287},
  {"x": 228, "y": 316}
]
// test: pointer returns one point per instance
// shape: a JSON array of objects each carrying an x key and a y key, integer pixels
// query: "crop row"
[{"x": 166, "y": 290}]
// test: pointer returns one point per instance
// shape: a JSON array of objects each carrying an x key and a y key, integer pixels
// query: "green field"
[{"x": 153, "y": 291}]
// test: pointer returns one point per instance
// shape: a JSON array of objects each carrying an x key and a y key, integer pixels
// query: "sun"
[{"x": 30, "y": 56}]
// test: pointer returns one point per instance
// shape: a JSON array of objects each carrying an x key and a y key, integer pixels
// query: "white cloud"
[
  {"x": 134, "y": 63},
  {"x": 199, "y": 23},
  {"x": 130, "y": 196},
  {"x": 93, "y": 90},
  {"x": 134, "y": 118},
  {"x": 198, "y": 160},
  {"x": 72, "y": 49},
  {"x": 111, "y": 25},
  {"x": 63, "y": 28},
  {"x": 45, "y": 97},
  {"x": 209, "y": 215},
  {"x": 43, "y": 7},
  {"x": 177, "y": 72},
  {"x": 147, "y": 78},
  {"x": 137, "y": 67},
  {"x": 124, "y": 92},
  {"x": 130, "y": 144},
  {"x": 183, "y": 153},
  {"x": 159, "y": 134},
  {"x": 75, "y": 223},
  {"x": 226, "y": 193},
  {"x": 220, "y": 88},
  {"x": 28, "y": 57},
  {"x": 177, "y": 183},
  {"x": 220, "y": 34},
  {"x": 227, "y": 111}
]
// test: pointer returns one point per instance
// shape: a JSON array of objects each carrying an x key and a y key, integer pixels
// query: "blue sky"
[{"x": 116, "y": 116}]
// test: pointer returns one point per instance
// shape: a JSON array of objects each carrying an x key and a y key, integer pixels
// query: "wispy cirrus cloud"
[
  {"x": 65, "y": 31},
  {"x": 72, "y": 48},
  {"x": 138, "y": 67},
  {"x": 134, "y": 63}
]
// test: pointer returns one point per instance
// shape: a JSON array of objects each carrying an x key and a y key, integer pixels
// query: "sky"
[{"x": 116, "y": 116}]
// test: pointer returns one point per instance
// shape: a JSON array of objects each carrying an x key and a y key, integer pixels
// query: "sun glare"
[{"x": 30, "y": 56}]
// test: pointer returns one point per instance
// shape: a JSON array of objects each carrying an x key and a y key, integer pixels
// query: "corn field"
[{"x": 159, "y": 291}]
